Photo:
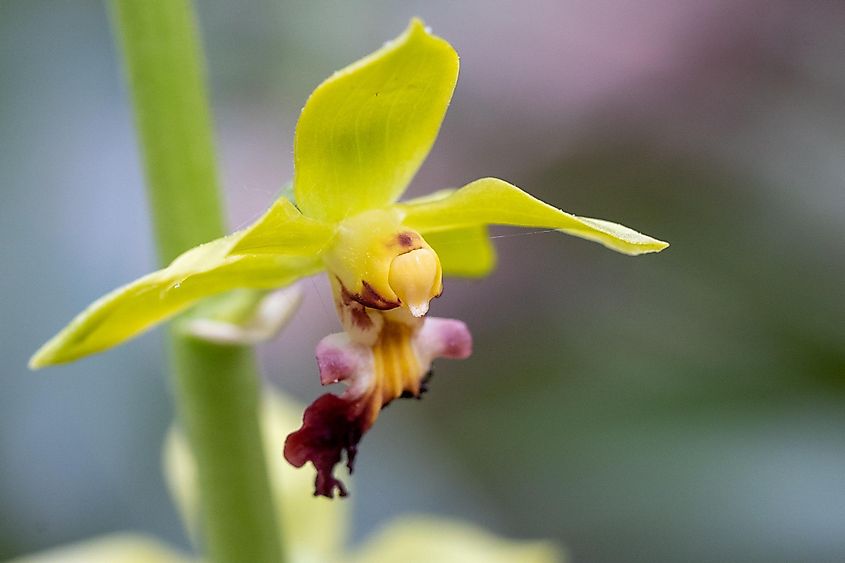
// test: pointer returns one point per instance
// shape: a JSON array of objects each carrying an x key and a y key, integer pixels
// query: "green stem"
[{"x": 216, "y": 387}]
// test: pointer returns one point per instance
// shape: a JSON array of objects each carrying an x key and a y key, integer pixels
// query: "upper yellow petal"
[{"x": 366, "y": 130}]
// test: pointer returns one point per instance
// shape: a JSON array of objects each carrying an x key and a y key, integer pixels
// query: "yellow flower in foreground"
[
  {"x": 315, "y": 530},
  {"x": 361, "y": 137}
]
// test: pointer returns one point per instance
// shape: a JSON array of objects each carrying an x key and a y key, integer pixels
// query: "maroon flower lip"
[
  {"x": 398, "y": 365},
  {"x": 330, "y": 426}
]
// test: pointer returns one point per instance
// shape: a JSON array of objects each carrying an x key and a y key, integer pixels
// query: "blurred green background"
[{"x": 686, "y": 406}]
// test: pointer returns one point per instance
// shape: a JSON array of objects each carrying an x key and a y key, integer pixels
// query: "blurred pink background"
[{"x": 679, "y": 407}]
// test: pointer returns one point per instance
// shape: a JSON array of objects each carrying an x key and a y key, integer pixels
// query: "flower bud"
[{"x": 416, "y": 279}]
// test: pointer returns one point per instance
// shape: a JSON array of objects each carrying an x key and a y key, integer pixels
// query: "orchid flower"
[
  {"x": 314, "y": 531},
  {"x": 360, "y": 139}
]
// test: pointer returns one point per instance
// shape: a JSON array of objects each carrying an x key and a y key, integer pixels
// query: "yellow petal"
[
  {"x": 465, "y": 251},
  {"x": 284, "y": 230},
  {"x": 494, "y": 201},
  {"x": 206, "y": 270},
  {"x": 365, "y": 131}
]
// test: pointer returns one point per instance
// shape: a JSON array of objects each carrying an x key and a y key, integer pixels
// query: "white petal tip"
[{"x": 419, "y": 309}]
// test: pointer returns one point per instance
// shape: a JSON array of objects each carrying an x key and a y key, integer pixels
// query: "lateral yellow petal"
[
  {"x": 494, "y": 201},
  {"x": 203, "y": 271}
]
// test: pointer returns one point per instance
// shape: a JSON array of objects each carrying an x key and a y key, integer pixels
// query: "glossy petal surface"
[
  {"x": 366, "y": 130},
  {"x": 494, "y": 201}
]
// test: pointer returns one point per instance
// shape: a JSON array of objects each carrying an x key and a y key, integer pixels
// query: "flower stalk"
[{"x": 216, "y": 387}]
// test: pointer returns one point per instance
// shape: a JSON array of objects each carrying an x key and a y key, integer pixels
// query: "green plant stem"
[{"x": 216, "y": 387}]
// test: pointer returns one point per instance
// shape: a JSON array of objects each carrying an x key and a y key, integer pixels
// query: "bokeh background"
[{"x": 686, "y": 406}]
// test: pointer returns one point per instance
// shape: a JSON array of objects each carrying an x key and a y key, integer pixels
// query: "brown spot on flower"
[
  {"x": 359, "y": 316},
  {"x": 357, "y": 312},
  {"x": 369, "y": 297},
  {"x": 407, "y": 240},
  {"x": 423, "y": 388}
]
